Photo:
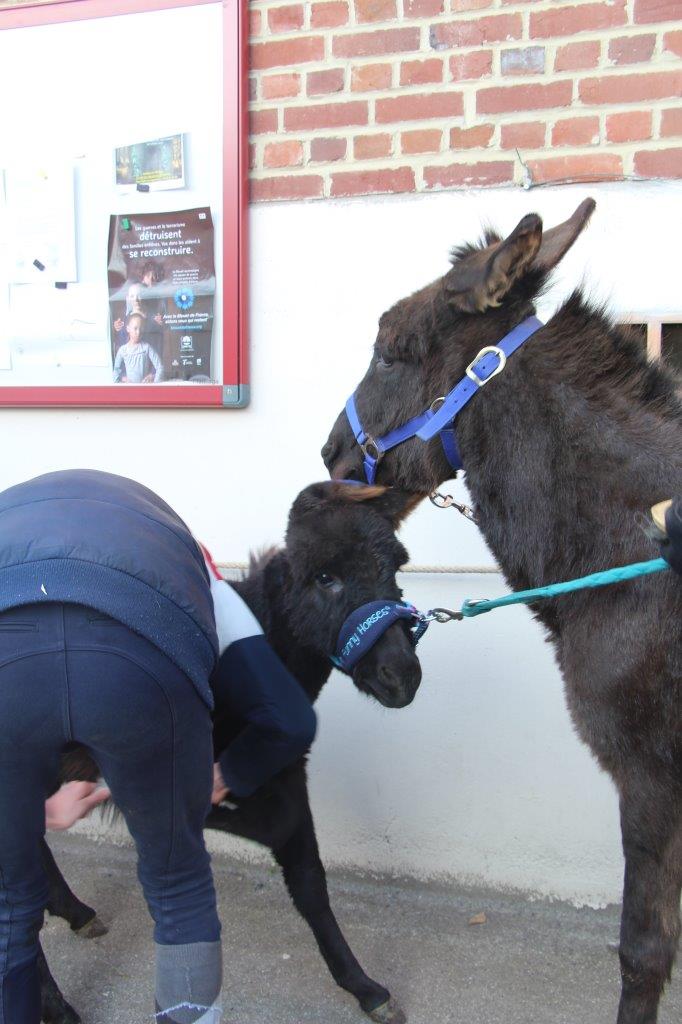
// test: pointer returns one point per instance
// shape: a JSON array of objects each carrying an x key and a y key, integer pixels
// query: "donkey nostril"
[
  {"x": 345, "y": 469},
  {"x": 386, "y": 676}
]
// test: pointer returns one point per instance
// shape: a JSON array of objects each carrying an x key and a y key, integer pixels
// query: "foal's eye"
[
  {"x": 384, "y": 361},
  {"x": 326, "y": 581}
]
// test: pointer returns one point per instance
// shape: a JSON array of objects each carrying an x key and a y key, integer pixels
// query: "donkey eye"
[
  {"x": 327, "y": 582},
  {"x": 385, "y": 361}
]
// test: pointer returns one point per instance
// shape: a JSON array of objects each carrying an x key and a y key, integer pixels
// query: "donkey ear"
[
  {"x": 557, "y": 241},
  {"x": 391, "y": 503},
  {"x": 314, "y": 497},
  {"x": 483, "y": 279},
  {"x": 311, "y": 499},
  {"x": 350, "y": 490}
]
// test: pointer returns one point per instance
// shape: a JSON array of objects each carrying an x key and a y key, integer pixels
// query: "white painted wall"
[{"x": 482, "y": 778}]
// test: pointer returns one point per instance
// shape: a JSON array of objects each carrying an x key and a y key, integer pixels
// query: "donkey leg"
[
  {"x": 651, "y": 822},
  {"x": 54, "y": 1007},
  {"x": 63, "y": 903},
  {"x": 306, "y": 881}
]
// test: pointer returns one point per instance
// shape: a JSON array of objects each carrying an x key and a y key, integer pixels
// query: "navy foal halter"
[
  {"x": 367, "y": 624},
  {"x": 440, "y": 416}
]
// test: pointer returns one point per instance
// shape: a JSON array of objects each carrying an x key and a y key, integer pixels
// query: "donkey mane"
[
  {"x": 489, "y": 236},
  {"x": 590, "y": 347},
  {"x": 264, "y": 587},
  {"x": 259, "y": 559}
]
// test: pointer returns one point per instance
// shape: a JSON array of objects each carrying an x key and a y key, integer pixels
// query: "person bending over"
[{"x": 114, "y": 633}]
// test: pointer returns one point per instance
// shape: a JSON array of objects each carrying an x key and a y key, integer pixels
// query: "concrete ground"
[{"x": 530, "y": 963}]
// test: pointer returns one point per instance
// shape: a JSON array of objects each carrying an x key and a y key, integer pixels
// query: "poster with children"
[{"x": 161, "y": 294}]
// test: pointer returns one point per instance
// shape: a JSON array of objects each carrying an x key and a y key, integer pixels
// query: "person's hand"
[
  {"x": 220, "y": 790},
  {"x": 671, "y": 546},
  {"x": 73, "y": 801},
  {"x": 148, "y": 379},
  {"x": 159, "y": 319},
  {"x": 118, "y": 325}
]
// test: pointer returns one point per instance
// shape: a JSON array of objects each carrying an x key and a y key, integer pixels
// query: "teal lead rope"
[{"x": 596, "y": 579}]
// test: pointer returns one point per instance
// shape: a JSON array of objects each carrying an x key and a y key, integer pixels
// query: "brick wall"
[{"x": 353, "y": 97}]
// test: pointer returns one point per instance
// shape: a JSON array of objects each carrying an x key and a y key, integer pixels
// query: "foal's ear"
[
  {"x": 557, "y": 241},
  {"x": 391, "y": 503},
  {"x": 316, "y": 496},
  {"x": 311, "y": 499},
  {"x": 483, "y": 279}
]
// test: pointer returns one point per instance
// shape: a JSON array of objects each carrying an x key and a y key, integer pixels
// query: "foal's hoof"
[
  {"x": 92, "y": 929},
  {"x": 61, "y": 1013},
  {"x": 388, "y": 1013}
]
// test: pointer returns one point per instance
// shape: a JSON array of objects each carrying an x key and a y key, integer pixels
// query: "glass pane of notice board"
[{"x": 123, "y": 196}]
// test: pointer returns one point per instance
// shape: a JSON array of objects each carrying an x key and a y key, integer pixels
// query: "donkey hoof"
[
  {"x": 388, "y": 1013},
  {"x": 92, "y": 929},
  {"x": 68, "y": 1017},
  {"x": 63, "y": 1013}
]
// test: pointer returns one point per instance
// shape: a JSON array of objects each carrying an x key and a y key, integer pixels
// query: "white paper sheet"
[
  {"x": 59, "y": 327},
  {"x": 38, "y": 225}
]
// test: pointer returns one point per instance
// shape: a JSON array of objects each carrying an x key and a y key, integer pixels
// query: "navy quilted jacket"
[{"x": 85, "y": 537}]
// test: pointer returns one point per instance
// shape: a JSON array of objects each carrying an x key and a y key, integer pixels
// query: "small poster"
[
  {"x": 161, "y": 297},
  {"x": 157, "y": 164}
]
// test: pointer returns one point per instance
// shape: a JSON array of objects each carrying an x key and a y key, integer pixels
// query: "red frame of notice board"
[{"x": 233, "y": 390}]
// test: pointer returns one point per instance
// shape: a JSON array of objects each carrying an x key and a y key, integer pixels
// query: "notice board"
[{"x": 123, "y": 191}]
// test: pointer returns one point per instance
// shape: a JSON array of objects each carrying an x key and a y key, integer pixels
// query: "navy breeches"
[{"x": 69, "y": 674}]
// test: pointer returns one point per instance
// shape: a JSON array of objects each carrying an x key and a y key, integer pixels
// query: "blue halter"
[
  {"x": 440, "y": 416},
  {"x": 367, "y": 624}
]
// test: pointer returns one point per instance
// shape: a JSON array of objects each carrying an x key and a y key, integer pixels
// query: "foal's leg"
[
  {"x": 306, "y": 881},
  {"x": 651, "y": 822},
  {"x": 63, "y": 903},
  {"x": 54, "y": 1008}
]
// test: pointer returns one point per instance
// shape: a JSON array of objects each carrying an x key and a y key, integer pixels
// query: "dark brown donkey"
[
  {"x": 341, "y": 552},
  {"x": 564, "y": 451}
]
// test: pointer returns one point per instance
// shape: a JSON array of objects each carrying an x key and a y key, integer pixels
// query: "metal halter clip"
[
  {"x": 498, "y": 369},
  {"x": 443, "y": 615},
  {"x": 447, "y": 501},
  {"x": 367, "y": 445}
]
